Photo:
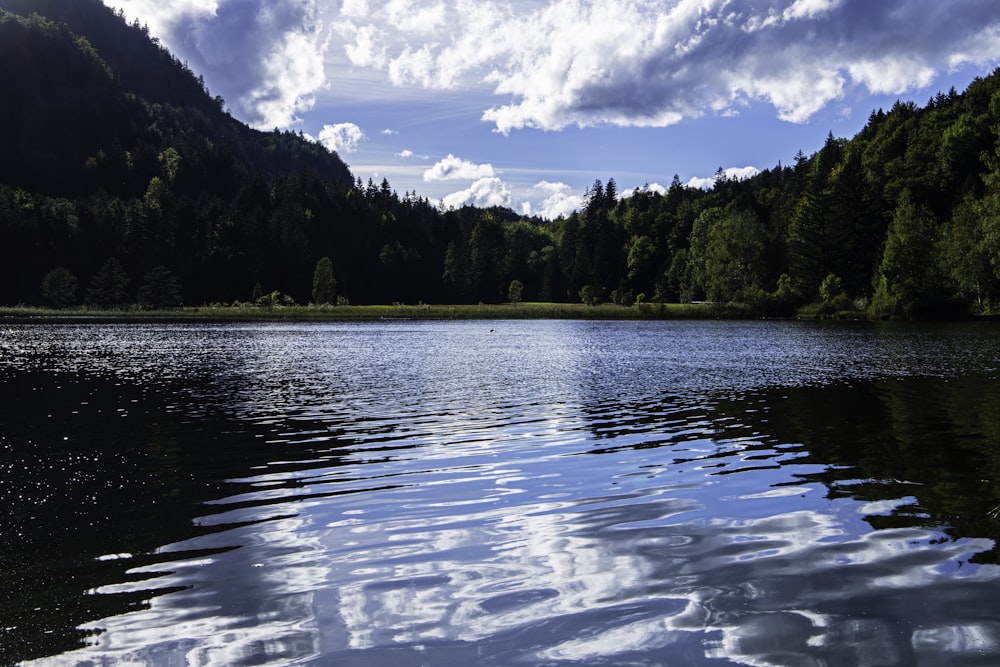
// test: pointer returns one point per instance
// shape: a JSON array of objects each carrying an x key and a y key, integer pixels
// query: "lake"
[{"x": 500, "y": 493}]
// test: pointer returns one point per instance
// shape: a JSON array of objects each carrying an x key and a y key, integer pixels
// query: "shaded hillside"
[
  {"x": 67, "y": 108},
  {"x": 114, "y": 149},
  {"x": 140, "y": 67}
]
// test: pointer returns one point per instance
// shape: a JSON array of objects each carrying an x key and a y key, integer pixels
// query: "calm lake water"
[{"x": 500, "y": 493}]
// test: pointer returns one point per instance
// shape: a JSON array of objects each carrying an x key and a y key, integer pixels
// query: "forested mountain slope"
[
  {"x": 139, "y": 67},
  {"x": 901, "y": 220},
  {"x": 122, "y": 180},
  {"x": 121, "y": 152}
]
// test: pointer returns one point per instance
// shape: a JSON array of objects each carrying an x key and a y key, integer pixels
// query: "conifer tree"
[
  {"x": 324, "y": 284},
  {"x": 108, "y": 286}
]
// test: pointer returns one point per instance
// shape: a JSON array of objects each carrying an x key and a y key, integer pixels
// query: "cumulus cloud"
[
  {"x": 160, "y": 15},
  {"x": 292, "y": 71},
  {"x": 732, "y": 173},
  {"x": 452, "y": 168},
  {"x": 642, "y": 63},
  {"x": 366, "y": 47},
  {"x": 265, "y": 57},
  {"x": 485, "y": 192},
  {"x": 558, "y": 200},
  {"x": 354, "y": 8},
  {"x": 648, "y": 187},
  {"x": 342, "y": 137},
  {"x": 414, "y": 16}
]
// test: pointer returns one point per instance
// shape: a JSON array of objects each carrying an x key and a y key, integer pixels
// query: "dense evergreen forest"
[{"x": 123, "y": 181}]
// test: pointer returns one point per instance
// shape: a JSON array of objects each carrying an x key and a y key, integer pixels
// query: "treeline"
[{"x": 126, "y": 182}]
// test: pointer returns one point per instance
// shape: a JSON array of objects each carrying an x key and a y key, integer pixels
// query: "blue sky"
[{"x": 525, "y": 103}]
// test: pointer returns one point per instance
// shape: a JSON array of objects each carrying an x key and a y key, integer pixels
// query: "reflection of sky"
[
  {"x": 252, "y": 605},
  {"x": 549, "y": 493},
  {"x": 738, "y": 588}
]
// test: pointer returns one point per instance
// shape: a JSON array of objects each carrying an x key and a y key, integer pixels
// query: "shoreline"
[
  {"x": 248, "y": 313},
  {"x": 522, "y": 311}
]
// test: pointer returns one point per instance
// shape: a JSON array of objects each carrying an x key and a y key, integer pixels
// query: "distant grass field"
[{"x": 521, "y": 311}]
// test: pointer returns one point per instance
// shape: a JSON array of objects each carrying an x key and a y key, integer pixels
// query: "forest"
[{"x": 124, "y": 184}]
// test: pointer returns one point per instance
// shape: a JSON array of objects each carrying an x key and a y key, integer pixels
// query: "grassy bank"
[{"x": 246, "y": 312}]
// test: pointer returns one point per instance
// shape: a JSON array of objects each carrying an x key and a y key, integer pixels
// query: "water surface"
[{"x": 500, "y": 493}]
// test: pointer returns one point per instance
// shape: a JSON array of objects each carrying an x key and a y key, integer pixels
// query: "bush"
[
  {"x": 830, "y": 288},
  {"x": 591, "y": 295}
]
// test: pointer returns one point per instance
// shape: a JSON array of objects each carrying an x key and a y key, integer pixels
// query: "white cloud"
[
  {"x": 485, "y": 192},
  {"x": 558, "y": 63},
  {"x": 265, "y": 57},
  {"x": 342, "y": 137},
  {"x": 559, "y": 200},
  {"x": 292, "y": 72},
  {"x": 354, "y": 8},
  {"x": 809, "y": 9},
  {"x": 733, "y": 173},
  {"x": 797, "y": 95},
  {"x": 412, "y": 16},
  {"x": 649, "y": 187},
  {"x": 452, "y": 168},
  {"x": 388, "y": 132},
  {"x": 640, "y": 63},
  {"x": 368, "y": 48},
  {"x": 891, "y": 75},
  {"x": 160, "y": 15},
  {"x": 739, "y": 173},
  {"x": 406, "y": 153}
]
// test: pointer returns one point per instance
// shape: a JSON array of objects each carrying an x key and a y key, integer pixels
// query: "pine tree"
[
  {"x": 59, "y": 287},
  {"x": 160, "y": 289},
  {"x": 324, "y": 289},
  {"x": 108, "y": 286}
]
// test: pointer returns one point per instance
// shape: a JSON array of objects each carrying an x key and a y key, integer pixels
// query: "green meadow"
[{"x": 506, "y": 311}]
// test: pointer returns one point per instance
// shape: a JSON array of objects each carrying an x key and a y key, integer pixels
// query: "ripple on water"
[{"x": 562, "y": 492}]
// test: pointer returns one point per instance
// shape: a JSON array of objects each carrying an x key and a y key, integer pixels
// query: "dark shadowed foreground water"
[{"x": 500, "y": 493}]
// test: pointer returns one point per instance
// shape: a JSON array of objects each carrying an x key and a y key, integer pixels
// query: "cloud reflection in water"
[
  {"x": 754, "y": 591},
  {"x": 553, "y": 495}
]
